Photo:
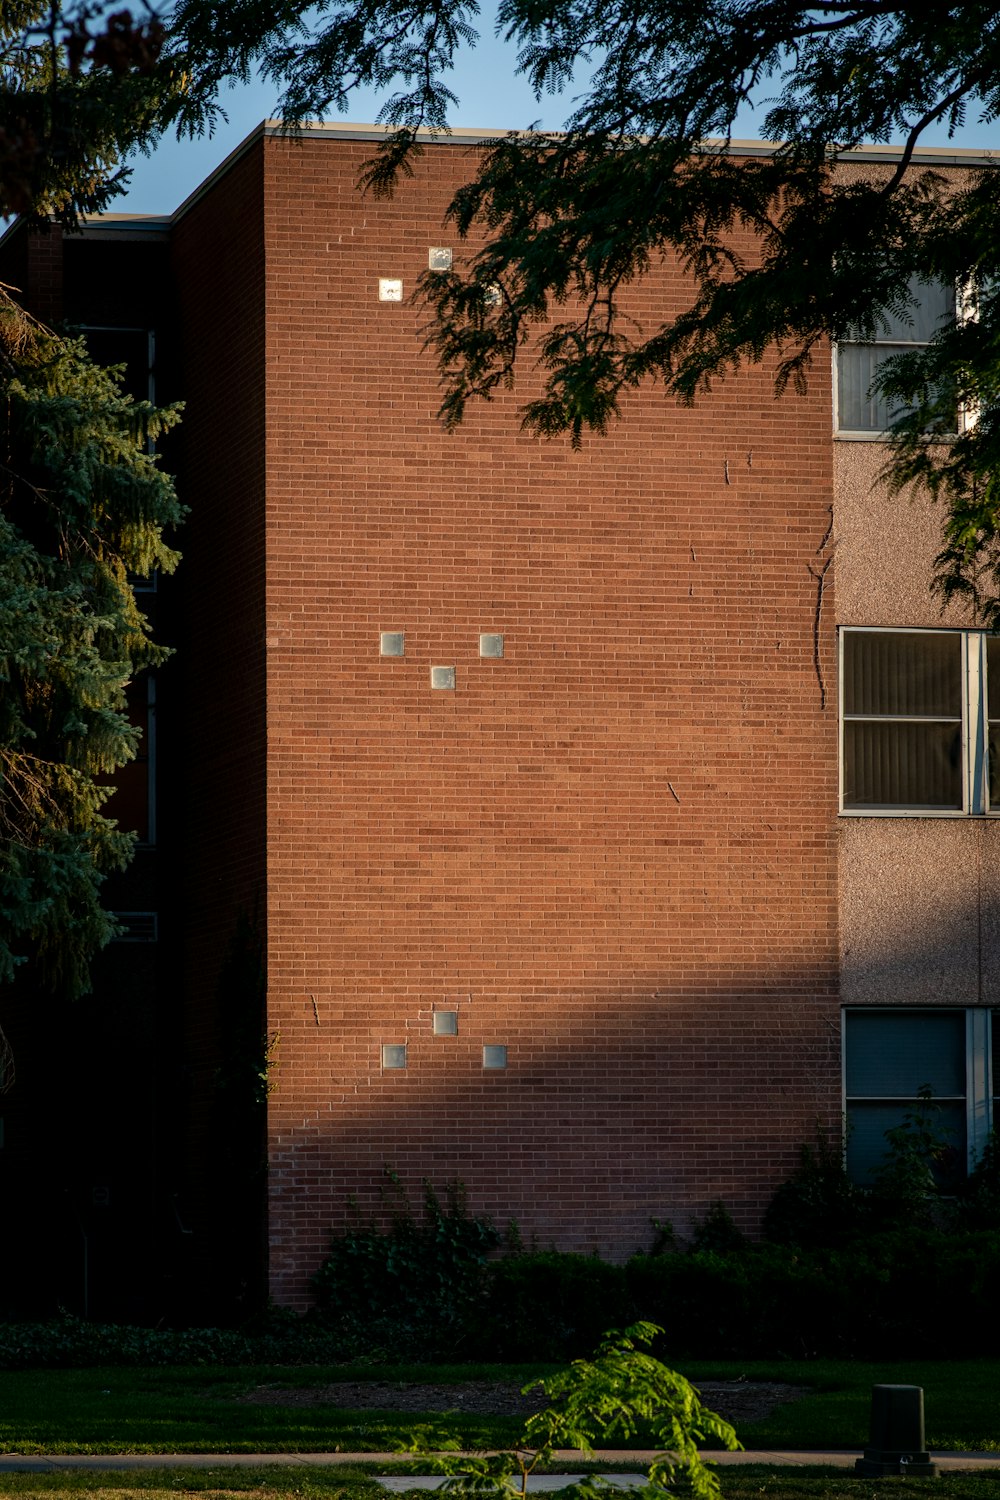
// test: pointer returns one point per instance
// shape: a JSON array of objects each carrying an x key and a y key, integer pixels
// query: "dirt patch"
[{"x": 738, "y": 1401}]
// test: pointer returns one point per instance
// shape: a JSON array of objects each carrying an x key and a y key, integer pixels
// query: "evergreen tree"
[
  {"x": 83, "y": 504},
  {"x": 82, "y": 86}
]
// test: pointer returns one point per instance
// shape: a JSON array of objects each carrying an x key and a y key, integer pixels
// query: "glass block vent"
[
  {"x": 394, "y": 1055},
  {"x": 494, "y": 1056},
  {"x": 446, "y": 1023}
]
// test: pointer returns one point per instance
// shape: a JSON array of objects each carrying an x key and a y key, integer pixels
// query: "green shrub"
[
  {"x": 409, "y": 1285},
  {"x": 977, "y": 1203},
  {"x": 819, "y": 1205},
  {"x": 551, "y": 1305},
  {"x": 882, "y": 1294},
  {"x": 70, "y": 1343},
  {"x": 717, "y": 1234}
]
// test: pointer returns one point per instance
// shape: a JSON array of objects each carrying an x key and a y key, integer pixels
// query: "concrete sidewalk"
[{"x": 49, "y": 1463}]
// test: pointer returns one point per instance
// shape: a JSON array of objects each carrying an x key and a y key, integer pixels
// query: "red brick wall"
[
  {"x": 31, "y": 266},
  {"x": 611, "y": 851}
]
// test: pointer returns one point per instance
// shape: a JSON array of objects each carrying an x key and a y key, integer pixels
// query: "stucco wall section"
[
  {"x": 886, "y": 545},
  {"x": 989, "y": 874},
  {"x": 919, "y": 911},
  {"x": 919, "y": 897}
]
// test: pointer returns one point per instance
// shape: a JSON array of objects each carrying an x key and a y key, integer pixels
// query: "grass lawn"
[
  {"x": 202, "y": 1410},
  {"x": 961, "y": 1402},
  {"x": 754, "y": 1483}
]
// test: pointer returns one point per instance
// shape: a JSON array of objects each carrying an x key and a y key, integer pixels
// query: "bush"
[
  {"x": 551, "y": 1305},
  {"x": 414, "y": 1286},
  {"x": 977, "y": 1203},
  {"x": 69, "y": 1342},
  {"x": 819, "y": 1205},
  {"x": 765, "y": 1302},
  {"x": 881, "y": 1295}
]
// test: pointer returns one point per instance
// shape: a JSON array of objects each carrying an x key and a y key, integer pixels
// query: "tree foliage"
[
  {"x": 644, "y": 170},
  {"x": 623, "y": 1394},
  {"x": 564, "y": 223},
  {"x": 82, "y": 86},
  {"x": 568, "y": 221},
  {"x": 83, "y": 504}
]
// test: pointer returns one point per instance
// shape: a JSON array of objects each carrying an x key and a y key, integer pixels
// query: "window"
[
  {"x": 859, "y": 409},
  {"x": 891, "y": 1055},
  {"x": 133, "y": 803},
  {"x": 920, "y": 722},
  {"x": 134, "y": 348},
  {"x": 136, "y": 926}
]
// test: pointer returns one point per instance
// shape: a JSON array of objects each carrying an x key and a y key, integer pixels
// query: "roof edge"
[{"x": 122, "y": 226}]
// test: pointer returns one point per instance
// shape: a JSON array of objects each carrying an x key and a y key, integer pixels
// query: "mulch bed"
[{"x": 737, "y": 1401}]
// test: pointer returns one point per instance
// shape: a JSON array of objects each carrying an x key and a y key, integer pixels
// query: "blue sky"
[{"x": 491, "y": 96}]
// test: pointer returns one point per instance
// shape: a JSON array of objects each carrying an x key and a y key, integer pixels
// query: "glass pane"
[
  {"x": 859, "y": 410},
  {"x": 902, "y": 765},
  {"x": 993, "y": 715},
  {"x": 123, "y": 346},
  {"x": 895, "y": 333},
  {"x": 995, "y": 1060},
  {"x": 993, "y": 675},
  {"x": 866, "y": 1143},
  {"x": 917, "y": 673},
  {"x": 893, "y": 1054},
  {"x": 993, "y": 748},
  {"x": 935, "y": 307},
  {"x": 129, "y": 803}
]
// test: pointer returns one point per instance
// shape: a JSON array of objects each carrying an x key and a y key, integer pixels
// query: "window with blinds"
[
  {"x": 891, "y": 1056},
  {"x": 859, "y": 407},
  {"x": 920, "y": 722}
]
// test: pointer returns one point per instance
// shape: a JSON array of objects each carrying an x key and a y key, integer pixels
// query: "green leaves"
[
  {"x": 420, "y": 1280},
  {"x": 561, "y": 225},
  {"x": 773, "y": 252},
  {"x": 82, "y": 505},
  {"x": 80, "y": 87},
  {"x": 619, "y": 1395}
]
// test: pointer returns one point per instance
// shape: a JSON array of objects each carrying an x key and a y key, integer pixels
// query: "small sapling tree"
[{"x": 624, "y": 1392}]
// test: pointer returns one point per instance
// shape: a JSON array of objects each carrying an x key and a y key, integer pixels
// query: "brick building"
[{"x": 520, "y": 764}]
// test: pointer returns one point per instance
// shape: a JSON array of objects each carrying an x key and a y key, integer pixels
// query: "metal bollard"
[{"x": 896, "y": 1441}]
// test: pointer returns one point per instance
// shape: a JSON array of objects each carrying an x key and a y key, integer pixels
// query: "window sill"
[
  {"x": 918, "y": 812},
  {"x": 884, "y": 436}
]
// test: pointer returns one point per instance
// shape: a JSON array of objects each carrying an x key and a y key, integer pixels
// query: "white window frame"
[
  {"x": 979, "y": 1084},
  {"x": 975, "y": 727}
]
